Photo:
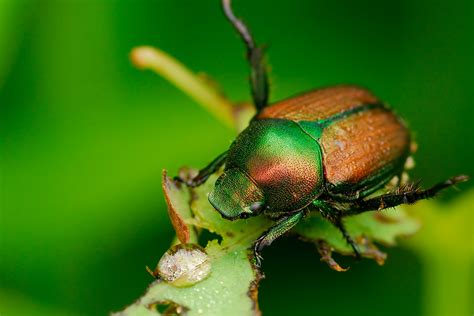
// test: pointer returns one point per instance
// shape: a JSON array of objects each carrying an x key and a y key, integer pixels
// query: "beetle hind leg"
[
  {"x": 340, "y": 225},
  {"x": 282, "y": 226},
  {"x": 405, "y": 194},
  {"x": 335, "y": 217}
]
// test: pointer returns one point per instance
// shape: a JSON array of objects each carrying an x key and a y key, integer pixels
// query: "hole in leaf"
[
  {"x": 207, "y": 236},
  {"x": 169, "y": 308}
]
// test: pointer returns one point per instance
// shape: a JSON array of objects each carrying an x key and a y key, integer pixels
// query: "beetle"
[{"x": 327, "y": 151}]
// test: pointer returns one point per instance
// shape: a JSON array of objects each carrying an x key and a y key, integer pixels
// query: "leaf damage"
[
  {"x": 381, "y": 227},
  {"x": 232, "y": 286}
]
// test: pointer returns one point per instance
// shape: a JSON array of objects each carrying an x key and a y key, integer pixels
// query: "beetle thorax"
[{"x": 282, "y": 160}]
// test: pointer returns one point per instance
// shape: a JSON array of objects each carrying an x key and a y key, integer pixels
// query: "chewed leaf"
[
  {"x": 227, "y": 291},
  {"x": 382, "y": 227},
  {"x": 229, "y": 281}
]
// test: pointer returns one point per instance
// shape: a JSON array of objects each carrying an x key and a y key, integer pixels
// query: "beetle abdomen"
[{"x": 319, "y": 104}]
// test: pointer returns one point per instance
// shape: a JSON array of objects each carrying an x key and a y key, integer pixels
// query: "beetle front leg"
[
  {"x": 255, "y": 56},
  {"x": 283, "y": 226},
  {"x": 206, "y": 172},
  {"x": 407, "y": 194}
]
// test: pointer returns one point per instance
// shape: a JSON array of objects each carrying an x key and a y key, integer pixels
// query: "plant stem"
[{"x": 200, "y": 90}]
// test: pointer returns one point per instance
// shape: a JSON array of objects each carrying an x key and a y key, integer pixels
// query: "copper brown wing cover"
[
  {"x": 360, "y": 145},
  {"x": 355, "y": 147},
  {"x": 319, "y": 104}
]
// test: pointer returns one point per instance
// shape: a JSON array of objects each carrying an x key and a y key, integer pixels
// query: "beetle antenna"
[
  {"x": 238, "y": 25},
  {"x": 258, "y": 72}
]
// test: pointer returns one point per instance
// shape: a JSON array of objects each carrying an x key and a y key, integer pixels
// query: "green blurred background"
[{"x": 84, "y": 136}]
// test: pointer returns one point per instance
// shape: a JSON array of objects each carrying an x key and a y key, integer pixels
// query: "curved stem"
[{"x": 206, "y": 95}]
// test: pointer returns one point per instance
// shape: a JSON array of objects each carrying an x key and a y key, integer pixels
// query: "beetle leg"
[
  {"x": 335, "y": 217},
  {"x": 255, "y": 56},
  {"x": 407, "y": 194},
  {"x": 337, "y": 221},
  {"x": 281, "y": 227},
  {"x": 205, "y": 173}
]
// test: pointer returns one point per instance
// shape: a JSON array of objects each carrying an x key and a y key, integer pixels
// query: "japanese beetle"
[{"x": 326, "y": 151}]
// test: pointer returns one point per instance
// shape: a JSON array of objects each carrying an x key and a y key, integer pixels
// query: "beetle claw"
[
  {"x": 258, "y": 259},
  {"x": 195, "y": 182},
  {"x": 192, "y": 183},
  {"x": 178, "y": 179},
  {"x": 256, "y": 252},
  {"x": 457, "y": 179}
]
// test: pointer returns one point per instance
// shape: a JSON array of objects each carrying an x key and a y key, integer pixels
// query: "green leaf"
[
  {"x": 225, "y": 292},
  {"x": 367, "y": 228}
]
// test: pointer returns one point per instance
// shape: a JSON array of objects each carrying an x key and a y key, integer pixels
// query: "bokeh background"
[{"x": 84, "y": 136}]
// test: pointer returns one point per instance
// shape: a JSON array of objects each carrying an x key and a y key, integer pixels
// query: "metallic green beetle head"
[{"x": 236, "y": 196}]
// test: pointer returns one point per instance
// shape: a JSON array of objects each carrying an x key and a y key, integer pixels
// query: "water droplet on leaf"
[{"x": 184, "y": 265}]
